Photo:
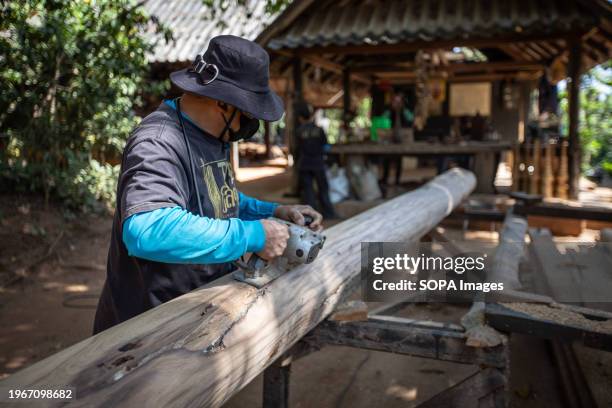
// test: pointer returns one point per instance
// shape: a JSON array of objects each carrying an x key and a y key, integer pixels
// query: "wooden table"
[{"x": 484, "y": 154}]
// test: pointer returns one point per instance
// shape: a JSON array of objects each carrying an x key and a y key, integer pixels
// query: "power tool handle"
[
  {"x": 256, "y": 262},
  {"x": 308, "y": 219}
]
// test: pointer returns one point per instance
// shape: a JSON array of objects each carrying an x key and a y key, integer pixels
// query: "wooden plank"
[
  {"x": 594, "y": 275},
  {"x": 515, "y": 296},
  {"x": 550, "y": 210},
  {"x": 420, "y": 148},
  {"x": 565, "y": 211},
  {"x": 203, "y": 347},
  {"x": 552, "y": 275},
  {"x": 547, "y": 322},
  {"x": 427, "y": 324},
  {"x": 581, "y": 275}
]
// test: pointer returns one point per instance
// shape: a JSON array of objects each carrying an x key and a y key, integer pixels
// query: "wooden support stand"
[
  {"x": 276, "y": 383},
  {"x": 426, "y": 339}
]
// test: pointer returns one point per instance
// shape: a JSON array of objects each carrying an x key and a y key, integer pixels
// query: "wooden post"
[
  {"x": 516, "y": 161},
  {"x": 276, "y": 383},
  {"x": 562, "y": 184},
  {"x": 573, "y": 73},
  {"x": 297, "y": 96},
  {"x": 522, "y": 166},
  {"x": 534, "y": 181},
  {"x": 346, "y": 98},
  {"x": 297, "y": 87},
  {"x": 547, "y": 172},
  {"x": 200, "y": 349},
  {"x": 529, "y": 168}
]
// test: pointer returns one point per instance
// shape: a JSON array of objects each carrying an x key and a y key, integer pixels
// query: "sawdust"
[{"x": 561, "y": 316}]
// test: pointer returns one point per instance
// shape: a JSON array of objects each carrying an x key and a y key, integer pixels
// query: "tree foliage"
[
  {"x": 70, "y": 72},
  {"x": 595, "y": 118}
]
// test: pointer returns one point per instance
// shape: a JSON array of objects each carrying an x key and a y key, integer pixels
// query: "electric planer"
[{"x": 303, "y": 247}]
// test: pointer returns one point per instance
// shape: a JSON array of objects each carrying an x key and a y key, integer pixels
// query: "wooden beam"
[
  {"x": 202, "y": 348},
  {"x": 575, "y": 152},
  {"x": 528, "y": 318},
  {"x": 455, "y": 67},
  {"x": 433, "y": 341},
  {"x": 346, "y": 97},
  {"x": 404, "y": 47},
  {"x": 325, "y": 64},
  {"x": 566, "y": 211}
]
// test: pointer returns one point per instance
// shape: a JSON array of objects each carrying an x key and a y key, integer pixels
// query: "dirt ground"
[{"x": 52, "y": 270}]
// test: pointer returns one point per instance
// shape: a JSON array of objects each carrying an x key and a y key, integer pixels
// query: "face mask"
[{"x": 248, "y": 127}]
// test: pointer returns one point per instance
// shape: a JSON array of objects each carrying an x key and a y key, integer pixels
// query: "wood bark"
[{"x": 201, "y": 348}]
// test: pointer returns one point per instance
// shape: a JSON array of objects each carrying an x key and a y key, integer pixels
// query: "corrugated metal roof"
[
  {"x": 347, "y": 22},
  {"x": 192, "y": 28}
]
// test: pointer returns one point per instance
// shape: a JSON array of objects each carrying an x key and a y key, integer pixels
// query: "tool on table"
[{"x": 302, "y": 247}]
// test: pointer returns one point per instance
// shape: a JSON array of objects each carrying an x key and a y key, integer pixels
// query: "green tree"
[
  {"x": 70, "y": 72},
  {"x": 595, "y": 124}
]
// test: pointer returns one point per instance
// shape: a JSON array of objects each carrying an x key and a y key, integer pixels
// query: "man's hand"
[
  {"x": 295, "y": 214},
  {"x": 277, "y": 235}
]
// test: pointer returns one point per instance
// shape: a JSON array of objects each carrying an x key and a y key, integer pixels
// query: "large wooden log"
[{"x": 203, "y": 347}]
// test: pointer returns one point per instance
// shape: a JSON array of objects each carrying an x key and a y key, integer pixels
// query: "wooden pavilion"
[{"x": 332, "y": 53}]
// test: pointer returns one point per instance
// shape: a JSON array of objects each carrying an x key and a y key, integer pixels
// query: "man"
[
  {"x": 179, "y": 220},
  {"x": 401, "y": 118},
  {"x": 311, "y": 143}
]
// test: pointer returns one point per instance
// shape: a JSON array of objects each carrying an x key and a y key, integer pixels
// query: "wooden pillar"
[
  {"x": 561, "y": 190},
  {"x": 573, "y": 86},
  {"x": 516, "y": 161},
  {"x": 547, "y": 172},
  {"x": 346, "y": 98},
  {"x": 267, "y": 132},
  {"x": 297, "y": 96},
  {"x": 534, "y": 181}
]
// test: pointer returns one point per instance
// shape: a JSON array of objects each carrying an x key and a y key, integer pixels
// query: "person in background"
[
  {"x": 401, "y": 118},
  {"x": 311, "y": 144}
]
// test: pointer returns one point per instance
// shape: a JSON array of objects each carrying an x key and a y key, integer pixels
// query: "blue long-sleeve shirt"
[{"x": 174, "y": 235}]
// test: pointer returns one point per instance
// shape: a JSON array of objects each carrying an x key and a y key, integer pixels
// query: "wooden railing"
[{"x": 541, "y": 168}]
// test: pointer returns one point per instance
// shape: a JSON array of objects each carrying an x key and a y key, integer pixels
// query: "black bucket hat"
[{"x": 235, "y": 71}]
